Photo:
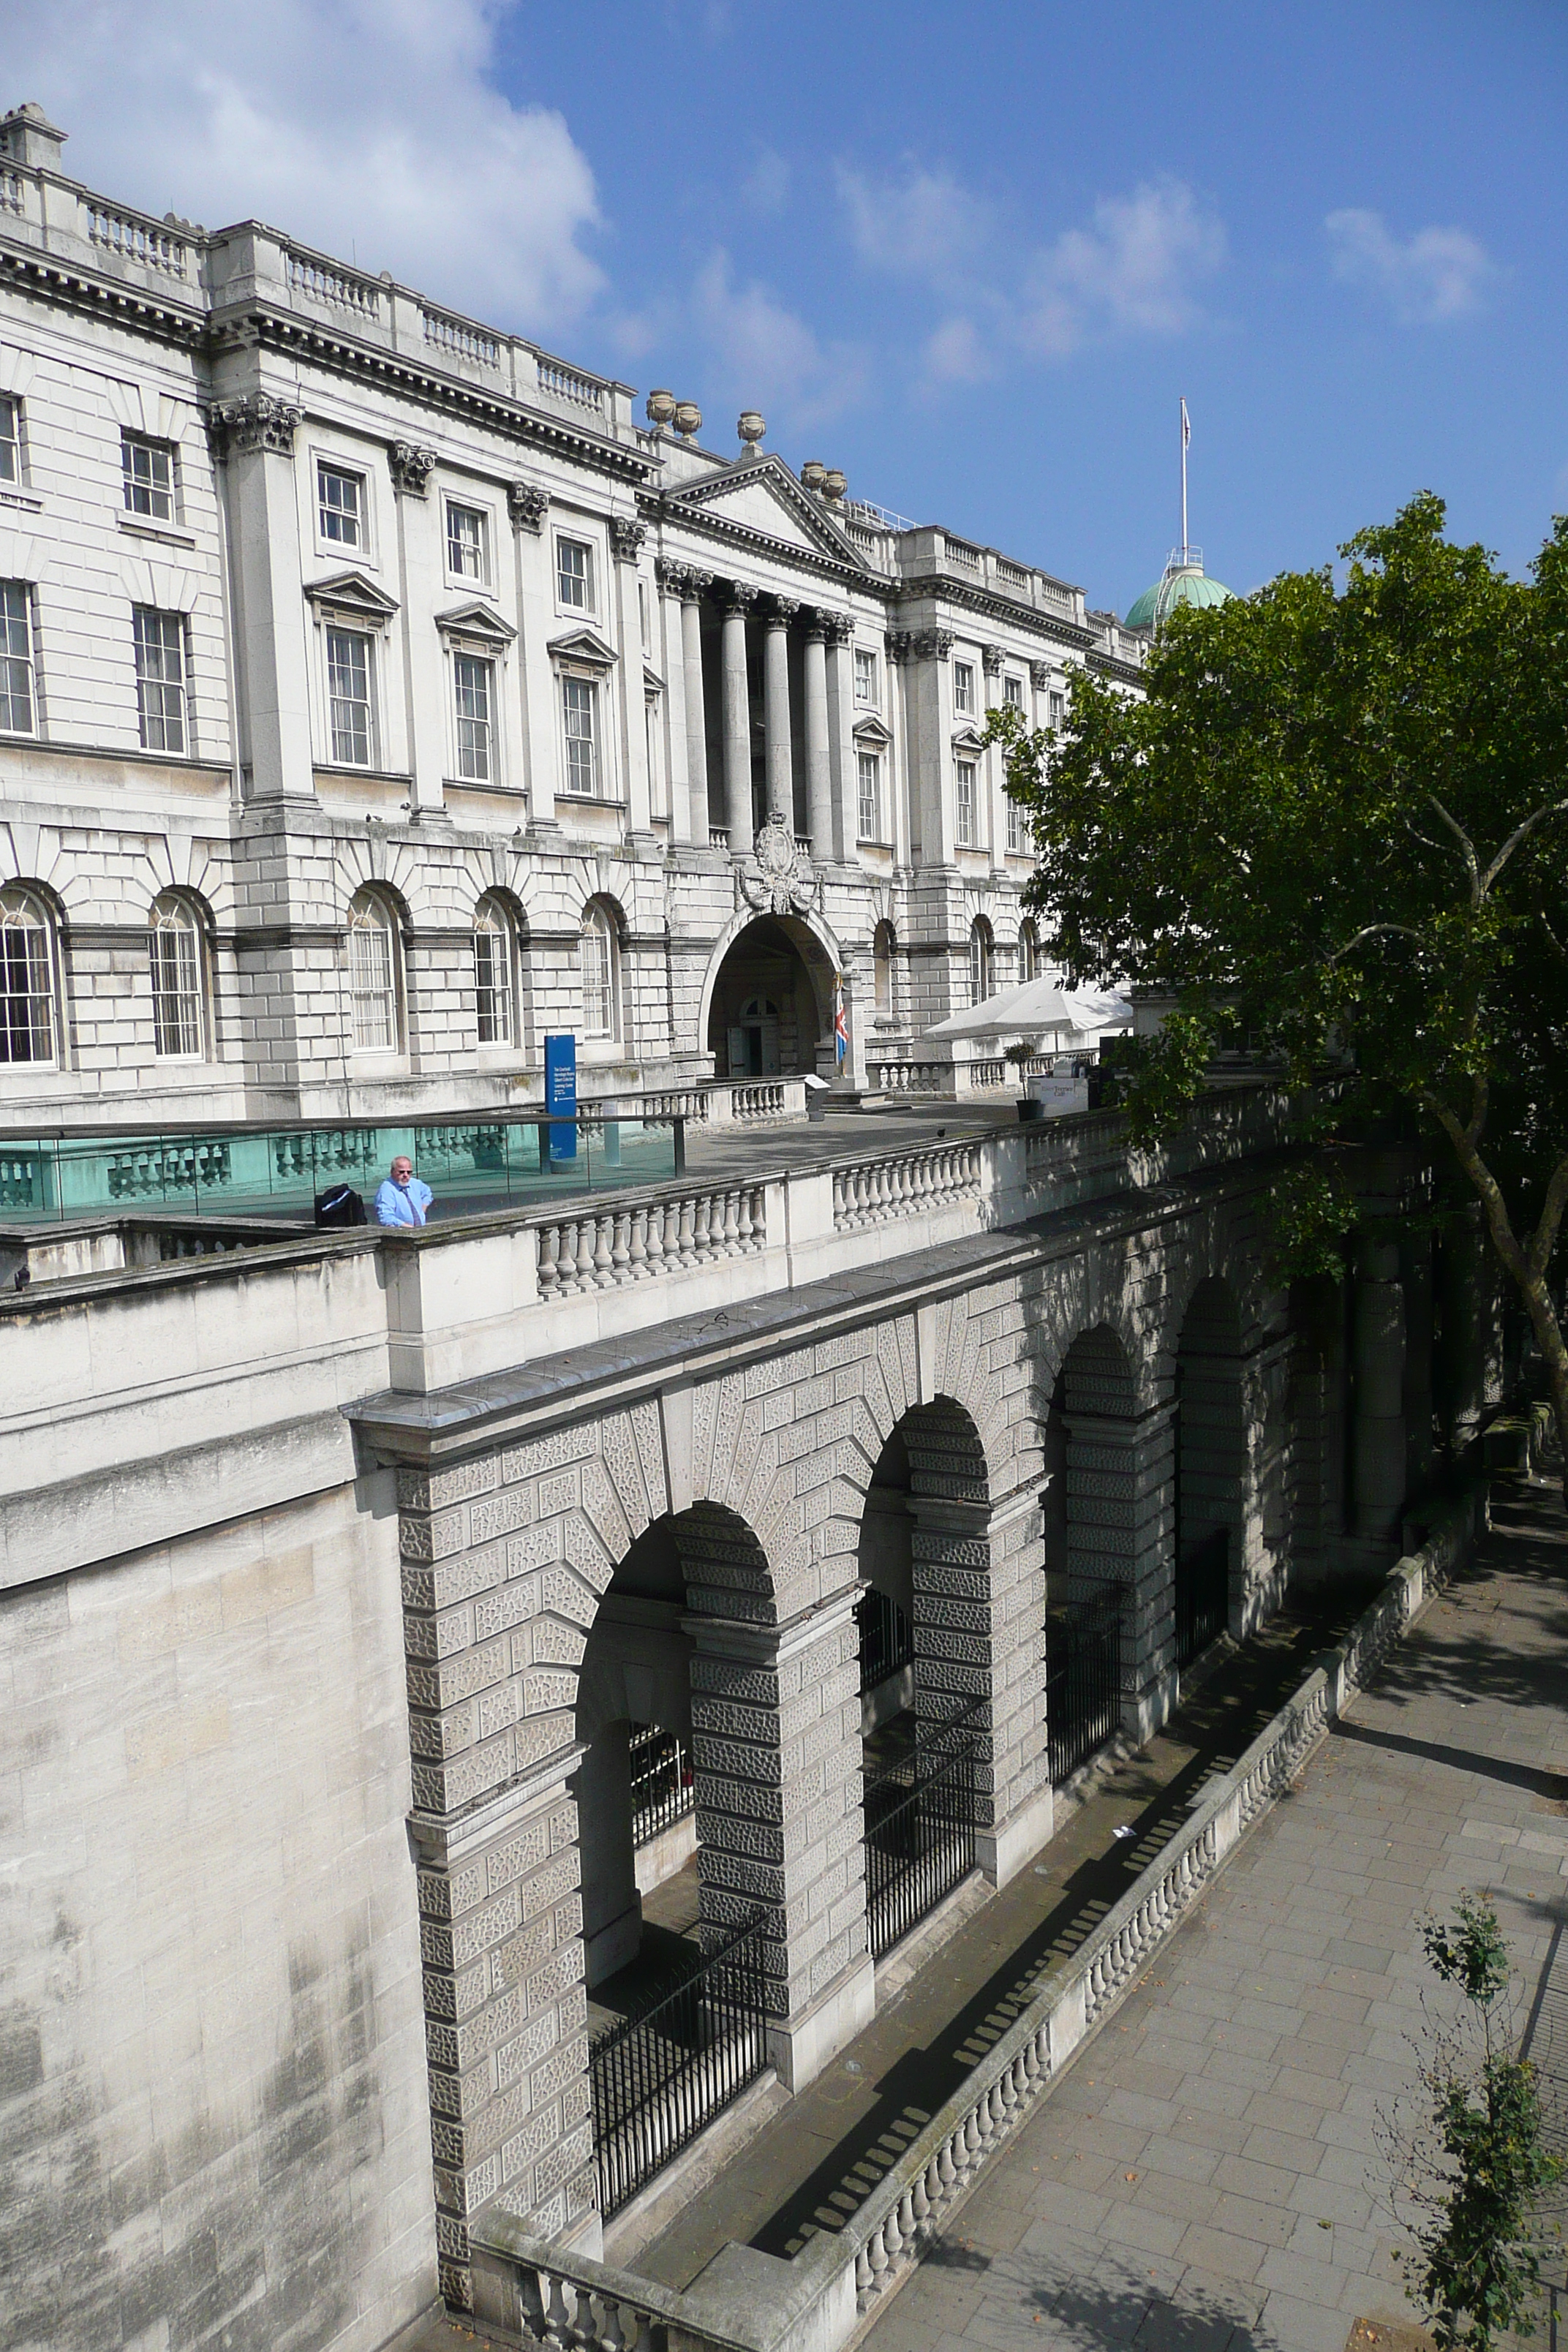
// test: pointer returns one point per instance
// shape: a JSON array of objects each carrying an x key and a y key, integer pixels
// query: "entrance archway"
[
  {"x": 771, "y": 1011},
  {"x": 1211, "y": 1466}
]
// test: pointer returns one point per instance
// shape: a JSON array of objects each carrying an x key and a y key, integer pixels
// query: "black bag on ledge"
[{"x": 339, "y": 1204}]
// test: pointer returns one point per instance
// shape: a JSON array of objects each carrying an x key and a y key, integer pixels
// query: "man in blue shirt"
[{"x": 402, "y": 1200}]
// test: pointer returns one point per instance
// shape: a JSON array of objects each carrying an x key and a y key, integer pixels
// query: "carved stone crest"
[
  {"x": 779, "y": 878},
  {"x": 527, "y": 503},
  {"x": 411, "y": 466},
  {"x": 627, "y": 536},
  {"x": 258, "y": 420}
]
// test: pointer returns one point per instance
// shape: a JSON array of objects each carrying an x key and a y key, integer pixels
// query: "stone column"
[
  {"x": 780, "y": 749},
  {"x": 930, "y": 680},
  {"x": 690, "y": 809},
  {"x": 995, "y": 842},
  {"x": 819, "y": 767},
  {"x": 775, "y": 1716},
  {"x": 1378, "y": 1434},
  {"x": 626, "y": 537},
  {"x": 255, "y": 435},
  {"x": 839, "y": 629},
  {"x": 738, "y": 602}
]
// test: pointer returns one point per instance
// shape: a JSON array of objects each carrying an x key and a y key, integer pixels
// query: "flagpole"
[{"x": 1184, "y": 480}]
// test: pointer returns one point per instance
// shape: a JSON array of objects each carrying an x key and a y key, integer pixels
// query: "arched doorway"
[
  {"x": 1211, "y": 1465},
  {"x": 770, "y": 1014}
]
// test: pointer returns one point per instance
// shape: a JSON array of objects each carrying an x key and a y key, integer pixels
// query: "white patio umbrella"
[{"x": 1027, "y": 1012}]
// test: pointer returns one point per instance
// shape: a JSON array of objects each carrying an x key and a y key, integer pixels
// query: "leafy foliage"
[
  {"x": 1339, "y": 817},
  {"x": 1476, "y": 2174}
]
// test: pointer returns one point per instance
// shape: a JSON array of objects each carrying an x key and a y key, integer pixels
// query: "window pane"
[
  {"x": 865, "y": 676},
  {"x": 979, "y": 966},
  {"x": 870, "y": 812},
  {"x": 26, "y": 995},
  {"x": 492, "y": 981},
  {"x": 1012, "y": 693},
  {"x": 340, "y": 498},
  {"x": 176, "y": 985},
  {"x": 160, "y": 640},
  {"x": 596, "y": 964},
  {"x": 10, "y": 441},
  {"x": 15, "y": 657},
  {"x": 573, "y": 570},
  {"x": 148, "y": 471},
  {"x": 472, "y": 682},
  {"x": 348, "y": 695},
  {"x": 962, "y": 685},
  {"x": 581, "y": 702},
  {"x": 466, "y": 543},
  {"x": 966, "y": 801},
  {"x": 370, "y": 992}
]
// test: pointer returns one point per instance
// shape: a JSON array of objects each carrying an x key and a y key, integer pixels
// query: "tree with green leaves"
[
  {"x": 1337, "y": 820},
  {"x": 1472, "y": 2169}
]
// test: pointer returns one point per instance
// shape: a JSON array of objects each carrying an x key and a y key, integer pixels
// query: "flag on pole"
[
  {"x": 840, "y": 1024},
  {"x": 1186, "y": 425}
]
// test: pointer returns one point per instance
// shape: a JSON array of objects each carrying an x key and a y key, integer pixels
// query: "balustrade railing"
[
  {"x": 988, "y": 1074},
  {"x": 913, "y": 1077},
  {"x": 565, "y": 384},
  {"x": 129, "y": 238},
  {"x": 459, "y": 339},
  {"x": 323, "y": 281},
  {"x": 755, "y": 1101},
  {"x": 589, "y": 1249},
  {"x": 660, "y": 2076},
  {"x": 904, "y": 1184},
  {"x": 12, "y": 199}
]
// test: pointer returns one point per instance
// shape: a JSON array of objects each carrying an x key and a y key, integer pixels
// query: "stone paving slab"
[{"x": 1206, "y": 2177}]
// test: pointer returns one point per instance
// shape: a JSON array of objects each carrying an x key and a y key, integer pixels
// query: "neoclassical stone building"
[{"x": 381, "y": 693}]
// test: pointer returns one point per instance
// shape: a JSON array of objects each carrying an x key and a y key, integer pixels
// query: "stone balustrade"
[
  {"x": 737, "y": 1102},
  {"x": 595, "y": 1249},
  {"x": 746, "y": 2302},
  {"x": 913, "y": 1077},
  {"x": 904, "y": 1184}
]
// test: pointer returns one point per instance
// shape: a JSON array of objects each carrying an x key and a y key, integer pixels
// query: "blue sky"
[{"x": 974, "y": 256}]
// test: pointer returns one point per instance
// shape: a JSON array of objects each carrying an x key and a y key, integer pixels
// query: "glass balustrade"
[{"x": 470, "y": 1164}]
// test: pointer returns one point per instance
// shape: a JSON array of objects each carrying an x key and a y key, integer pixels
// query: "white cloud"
[
  {"x": 1134, "y": 272},
  {"x": 925, "y": 226},
  {"x": 956, "y": 355},
  {"x": 763, "y": 353},
  {"x": 368, "y": 128},
  {"x": 1435, "y": 276}
]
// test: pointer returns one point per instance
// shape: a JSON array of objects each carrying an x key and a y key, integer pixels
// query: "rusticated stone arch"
[{"x": 1119, "y": 1498}]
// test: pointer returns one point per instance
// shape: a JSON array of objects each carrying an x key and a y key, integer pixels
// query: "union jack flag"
[{"x": 840, "y": 1022}]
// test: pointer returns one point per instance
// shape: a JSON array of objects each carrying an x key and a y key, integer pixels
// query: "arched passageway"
[
  {"x": 771, "y": 1013},
  {"x": 1211, "y": 1466}
]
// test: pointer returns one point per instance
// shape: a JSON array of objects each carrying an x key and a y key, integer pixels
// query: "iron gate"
[
  {"x": 920, "y": 1827},
  {"x": 1083, "y": 1678},
  {"x": 1203, "y": 1595}
]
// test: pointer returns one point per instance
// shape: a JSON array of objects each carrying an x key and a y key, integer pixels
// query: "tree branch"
[
  {"x": 1522, "y": 832},
  {"x": 1543, "y": 1241},
  {"x": 1369, "y": 931},
  {"x": 1462, "y": 837}
]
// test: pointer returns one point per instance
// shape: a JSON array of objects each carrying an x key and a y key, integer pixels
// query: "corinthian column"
[
  {"x": 737, "y": 601},
  {"x": 775, "y": 713},
  {"x": 818, "y": 763},
  {"x": 691, "y": 587}
]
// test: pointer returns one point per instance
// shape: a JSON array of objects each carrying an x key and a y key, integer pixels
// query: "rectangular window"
[
  {"x": 865, "y": 676},
  {"x": 1018, "y": 831},
  {"x": 10, "y": 440},
  {"x": 348, "y": 698},
  {"x": 966, "y": 803},
  {"x": 582, "y": 711},
  {"x": 474, "y": 682},
  {"x": 870, "y": 820},
  {"x": 963, "y": 688},
  {"x": 148, "y": 471},
  {"x": 466, "y": 553},
  {"x": 177, "y": 992},
  {"x": 1012, "y": 694},
  {"x": 16, "y": 699},
  {"x": 492, "y": 985},
  {"x": 1056, "y": 708},
  {"x": 574, "y": 575},
  {"x": 372, "y": 994},
  {"x": 340, "y": 506},
  {"x": 160, "y": 679}
]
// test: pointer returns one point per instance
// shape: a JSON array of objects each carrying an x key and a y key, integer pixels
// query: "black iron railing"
[
  {"x": 920, "y": 1827},
  {"x": 1083, "y": 1677},
  {"x": 660, "y": 2076},
  {"x": 662, "y": 1785},
  {"x": 886, "y": 1640},
  {"x": 1203, "y": 1595}
]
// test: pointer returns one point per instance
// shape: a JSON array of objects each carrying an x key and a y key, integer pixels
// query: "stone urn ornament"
[{"x": 779, "y": 878}]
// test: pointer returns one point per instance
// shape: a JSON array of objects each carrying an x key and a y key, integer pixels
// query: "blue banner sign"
[{"x": 561, "y": 1093}]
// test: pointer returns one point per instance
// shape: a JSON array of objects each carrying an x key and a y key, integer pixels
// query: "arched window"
[
  {"x": 1028, "y": 953},
  {"x": 980, "y": 960},
  {"x": 495, "y": 995},
  {"x": 373, "y": 975},
  {"x": 29, "y": 1028},
  {"x": 883, "y": 943},
  {"x": 174, "y": 950},
  {"x": 597, "y": 962}
]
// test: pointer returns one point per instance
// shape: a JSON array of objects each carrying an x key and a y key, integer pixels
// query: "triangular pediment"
[
  {"x": 352, "y": 592},
  {"x": 966, "y": 739},
  {"x": 870, "y": 729},
  {"x": 585, "y": 645},
  {"x": 475, "y": 620},
  {"x": 761, "y": 494}
]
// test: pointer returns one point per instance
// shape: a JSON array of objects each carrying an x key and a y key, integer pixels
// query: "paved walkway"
[
  {"x": 1205, "y": 2177},
  {"x": 817, "y": 2156}
]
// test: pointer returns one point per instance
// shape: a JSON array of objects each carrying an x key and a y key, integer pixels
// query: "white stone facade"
[{"x": 308, "y": 582}]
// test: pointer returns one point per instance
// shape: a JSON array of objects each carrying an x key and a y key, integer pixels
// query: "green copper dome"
[{"x": 1181, "y": 583}]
